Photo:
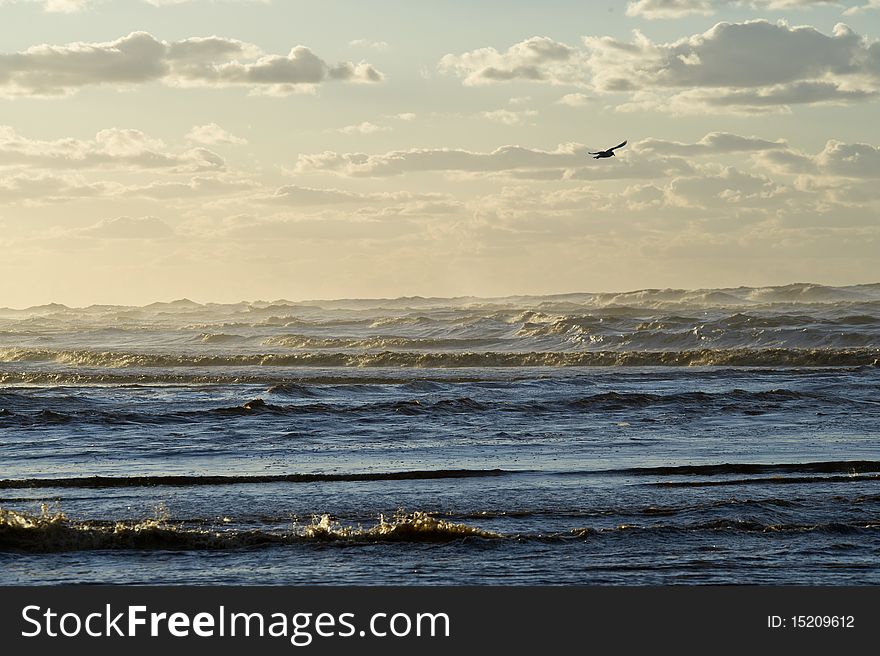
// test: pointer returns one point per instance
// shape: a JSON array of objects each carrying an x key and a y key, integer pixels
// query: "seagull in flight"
[{"x": 600, "y": 154}]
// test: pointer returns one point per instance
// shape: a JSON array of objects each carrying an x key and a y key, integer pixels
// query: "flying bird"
[{"x": 600, "y": 154}]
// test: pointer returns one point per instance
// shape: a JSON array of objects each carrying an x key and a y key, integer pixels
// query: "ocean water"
[{"x": 653, "y": 437}]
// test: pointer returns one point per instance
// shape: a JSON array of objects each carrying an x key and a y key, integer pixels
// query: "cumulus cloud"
[
  {"x": 509, "y": 117},
  {"x": 71, "y": 6},
  {"x": 364, "y": 128},
  {"x": 139, "y": 58},
  {"x": 44, "y": 188},
  {"x": 112, "y": 147},
  {"x": 736, "y": 55},
  {"x": 836, "y": 160},
  {"x": 442, "y": 159},
  {"x": 399, "y": 203},
  {"x": 729, "y": 187},
  {"x": 664, "y": 9},
  {"x": 652, "y": 9},
  {"x": 569, "y": 161},
  {"x": 713, "y": 143},
  {"x": 574, "y": 99},
  {"x": 55, "y": 6},
  {"x": 196, "y": 187},
  {"x": 381, "y": 46},
  {"x": 858, "y": 9},
  {"x": 211, "y": 134},
  {"x": 732, "y": 67},
  {"x": 538, "y": 59}
]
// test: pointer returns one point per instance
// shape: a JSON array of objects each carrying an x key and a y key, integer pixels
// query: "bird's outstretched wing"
[
  {"x": 618, "y": 146},
  {"x": 596, "y": 153}
]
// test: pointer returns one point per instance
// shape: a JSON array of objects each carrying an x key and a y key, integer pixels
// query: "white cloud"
[
  {"x": 836, "y": 160},
  {"x": 671, "y": 9},
  {"x": 745, "y": 55},
  {"x": 712, "y": 144},
  {"x": 753, "y": 66},
  {"x": 43, "y": 188},
  {"x": 871, "y": 4},
  {"x": 574, "y": 99},
  {"x": 509, "y": 117},
  {"x": 71, "y": 6},
  {"x": 196, "y": 187},
  {"x": 381, "y": 46},
  {"x": 652, "y": 9},
  {"x": 139, "y": 58},
  {"x": 211, "y": 134},
  {"x": 364, "y": 128},
  {"x": 567, "y": 162},
  {"x": 400, "y": 203},
  {"x": 111, "y": 147},
  {"x": 56, "y": 6},
  {"x": 538, "y": 59},
  {"x": 406, "y": 161}
]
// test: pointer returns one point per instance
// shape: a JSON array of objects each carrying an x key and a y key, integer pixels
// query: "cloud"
[
  {"x": 71, "y": 6},
  {"x": 406, "y": 161},
  {"x": 850, "y": 160},
  {"x": 400, "y": 202},
  {"x": 56, "y": 6},
  {"x": 569, "y": 161},
  {"x": 713, "y": 143},
  {"x": 745, "y": 55},
  {"x": 508, "y": 117},
  {"x": 653, "y": 9},
  {"x": 748, "y": 67},
  {"x": 381, "y": 46},
  {"x": 211, "y": 134},
  {"x": 836, "y": 160},
  {"x": 364, "y": 128},
  {"x": 858, "y": 9},
  {"x": 197, "y": 187},
  {"x": 538, "y": 59},
  {"x": 140, "y": 58},
  {"x": 44, "y": 188},
  {"x": 671, "y": 9},
  {"x": 574, "y": 99},
  {"x": 730, "y": 187},
  {"x": 405, "y": 116},
  {"x": 112, "y": 147},
  {"x": 124, "y": 227}
]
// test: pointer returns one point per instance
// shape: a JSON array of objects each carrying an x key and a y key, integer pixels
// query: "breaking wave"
[
  {"x": 50, "y": 532},
  {"x": 372, "y": 343},
  {"x": 771, "y": 357},
  {"x": 55, "y": 532}
]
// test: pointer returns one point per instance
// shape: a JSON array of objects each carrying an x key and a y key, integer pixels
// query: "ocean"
[{"x": 720, "y": 436}]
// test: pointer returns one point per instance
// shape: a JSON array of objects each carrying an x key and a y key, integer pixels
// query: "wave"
[
  {"x": 772, "y": 357},
  {"x": 172, "y": 379},
  {"x": 220, "y": 338},
  {"x": 774, "y": 480},
  {"x": 55, "y": 532},
  {"x": 49, "y": 532},
  {"x": 737, "y": 400},
  {"x": 723, "y": 469},
  {"x": 187, "y": 481},
  {"x": 734, "y": 399},
  {"x": 375, "y": 342}
]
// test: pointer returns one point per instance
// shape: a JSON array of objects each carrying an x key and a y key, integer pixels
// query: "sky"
[{"x": 227, "y": 150}]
